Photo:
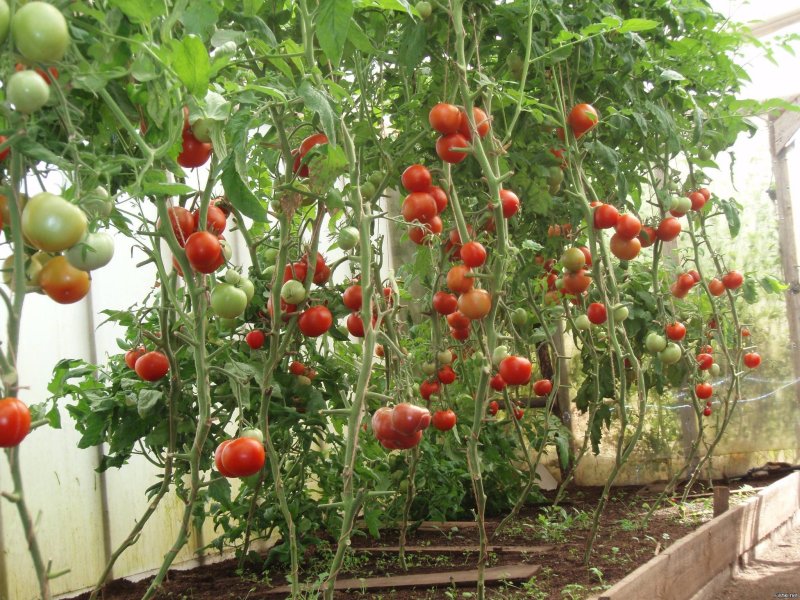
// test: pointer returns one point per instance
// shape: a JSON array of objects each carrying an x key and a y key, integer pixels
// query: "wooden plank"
[
  {"x": 786, "y": 125},
  {"x": 458, "y": 549},
  {"x": 786, "y": 237},
  {"x": 722, "y": 496},
  {"x": 425, "y": 580}
]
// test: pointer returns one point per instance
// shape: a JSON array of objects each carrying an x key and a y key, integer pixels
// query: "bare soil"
[{"x": 621, "y": 546}]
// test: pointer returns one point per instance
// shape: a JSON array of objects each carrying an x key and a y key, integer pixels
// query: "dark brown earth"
[{"x": 621, "y": 547}]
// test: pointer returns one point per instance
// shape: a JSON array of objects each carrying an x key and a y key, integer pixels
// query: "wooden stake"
[{"x": 722, "y": 494}]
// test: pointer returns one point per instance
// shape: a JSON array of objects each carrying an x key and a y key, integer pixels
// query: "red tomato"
[
  {"x": 352, "y": 297},
  {"x": 706, "y": 349},
  {"x": 297, "y": 368},
  {"x": 4, "y": 153},
  {"x": 62, "y": 282},
  {"x": 675, "y": 331},
  {"x": 408, "y": 419},
  {"x": 605, "y": 216},
  {"x": 732, "y": 280},
  {"x": 668, "y": 229},
  {"x": 703, "y": 391},
  {"x": 316, "y": 139},
  {"x": 510, "y": 203},
  {"x": 134, "y": 354},
  {"x": 704, "y": 361},
  {"x": 445, "y": 118},
  {"x": 444, "y": 303},
  {"x": 543, "y": 387},
  {"x": 355, "y": 325},
  {"x": 473, "y": 254},
  {"x": 243, "y": 457},
  {"x": 698, "y": 200},
  {"x": 752, "y": 359},
  {"x": 705, "y": 192},
  {"x": 203, "y": 251},
  {"x": 255, "y": 339},
  {"x": 416, "y": 178},
  {"x": 182, "y": 223},
  {"x": 518, "y": 413},
  {"x": 15, "y": 422},
  {"x": 515, "y": 370},
  {"x": 587, "y": 254},
  {"x": 745, "y": 332},
  {"x": 482, "y": 123},
  {"x": 401, "y": 442},
  {"x": 459, "y": 334},
  {"x": 419, "y": 206},
  {"x": 315, "y": 321},
  {"x": 444, "y": 420},
  {"x": 574, "y": 283},
  {"x": 647, "y": 236},
  {"x": 215, "y": 220},
  {"x": 194, "y": 153},
  {"x": 475, "y": 304},
  {"x": 695, "y": 275},
  {"x": 628, "y": 226},
  {"x": 597, "y": 313},
  {"x": 428, "y": 387},
  {"x": 218, "y": 459},
  {"x": 440, "y": 196},
  {"x": 625, "y": 249},
  {"x": 716, "y": 287},
  {"x": 321, "y": 270},
  {"x": 497, "y": 383},
  {"x": 446, "y": 375},
  {"x": 458, "y": 280},
  {"x": 297, "y": 270},
  {"x": 458, "y": 320},
  {"x": 686, "y": 281},
  {"x": 582, "y": 118},
  {"x": 152, "y": 366},
  {"x": 678, "y": 291},
  {"x": 445, "y": 148}
]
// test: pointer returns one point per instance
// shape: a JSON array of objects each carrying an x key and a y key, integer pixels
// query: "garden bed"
[{"x": 551, "y": 538}]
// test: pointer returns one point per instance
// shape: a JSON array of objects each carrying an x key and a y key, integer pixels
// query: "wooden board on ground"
[
  {"x": 458, "y": 549},
  {"x": 426, "y": 580}
]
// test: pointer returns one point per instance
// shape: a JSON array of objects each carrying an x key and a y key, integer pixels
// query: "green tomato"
[
  {"x": 227, "y": 250},
  {"x": 27, "y": 91},
  {"x": 714, "y": 370},
  {"x": 228, "y": 323},
  {"x": 232, "y": 276},
  {"x": 671, "y": 354},
  {"x": 424, "y": 9},
  {"x": 253, "y": 434},
  {"x": 368, "y": 190},
  {"x": 269, "y": 272},
  {"x": 621, "y": 313},
  {"x": 97, "y": 203},
  {"x": 704, "y": 154},
  {"x": 228, "y": 301},
  {"x": 95, "y": 250},
  {"x": 500, "y": 352},
  {"x": 270, "y": 256},
  {"x": 293, "y": 292},
  {"x": 202, "y": 130},
  {"x": 515, "y": 63},
  {"x": 247, "y": 287},
  {"x": 681, "y": 204},
  {"x": 40, "y": 32},
  {"x": 583, "y": 323},
  {"x": 348, "y": 237},
  {"x": 478, "y": 356},
  {"x": 428, "y": 368},
  {"x": 376, "y": 178},
  {"x": 51, "y": 223},
  {"x": 303, "y": 380},
  {"x": 655, "y": 342},
  {"x": 445, "y": 357},
  {"x": 573, "y": 259},
  {"x": 519, "y": 317},
  {"x": 4, "y": 19}
]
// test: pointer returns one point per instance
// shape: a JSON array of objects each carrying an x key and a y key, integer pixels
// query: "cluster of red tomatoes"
[
  {"x": 149, "y": 366},
  {"x": 352, "y": 298},
  {"x": 453, "y": 124},
  {"x": 304, "y": 374},
  {"x": 15, "y": 422},
  {"x": 205, "y": 250},
  {"x": 424, "y": 203},
  {"x": 400, "y": 427},
  {"x": 242, "y": 456}
]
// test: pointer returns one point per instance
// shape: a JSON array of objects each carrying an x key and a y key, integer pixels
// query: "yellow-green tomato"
[
  {"x": 27, "y": 91},
  {"x": 655, "y": 342},
  {"x": 228, "y": 301},
  {"x": 4, "y": 19},
  {"x": 519, "y": 317},
  {"x": 583, "y": 323},
  {"x": 51, "y": 223},
  {"x": 428, "y": 368},
  {"x": 202, "y": 130},
  {"x": 232, "y": 276},
  {"x": 714, "y": 370},
  {"x": 95, "y": 250},
  {"x": 573, "y": 259},
  {"x": 40, "y": 32},
  {"x": 98, "y": 203},
  {"x": 621, "y": 313},
  {"x": 293, "y": 292},
  {"x": 445, "y": 357},
  {"x": 247, "y": 287},
  {"x": 500, "y": 352},
  {"x": 671, "y": 354},
  {"x": 348, "y": 238},
  {"x": 254, "y": 434}
]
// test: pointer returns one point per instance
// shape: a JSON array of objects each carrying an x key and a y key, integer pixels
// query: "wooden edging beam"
[{"x": 711, "y": 554}]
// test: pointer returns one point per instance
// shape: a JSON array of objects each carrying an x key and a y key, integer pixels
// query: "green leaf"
[
  {"x": 629, "y": 25},
  {"x": 146, "y": 400},
  {"x": 412, "y": 46},
  {"x": 240, "y": 195},
  {"x": 732, "y": 215},
  {"x": 333, "y": 22},
  {"x": 318, "y": 102},
  {"x": 200, "y": 18},
  {"x": 192, "y": 64},
  {"x": 773, "y": 285},
  {"x": 165, "y": 189},
  {"x": 141, "y": 11},
  {"x": 670, "y": 75}
]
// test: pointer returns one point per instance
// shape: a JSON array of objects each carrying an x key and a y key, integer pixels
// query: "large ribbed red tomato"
[
  {"x": 515, "y": 370},
  {"x": 15, "y": 422},
  {"x": 407, "y": 418}
]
